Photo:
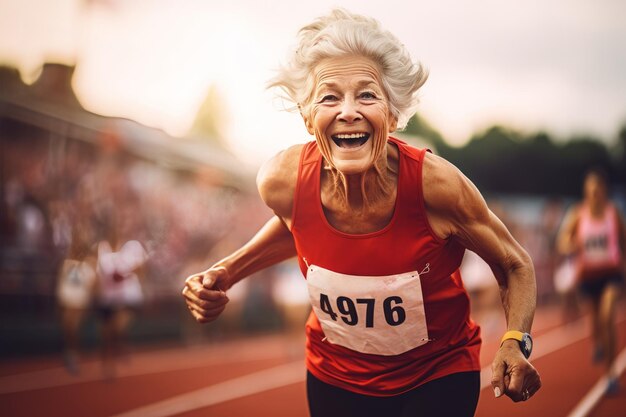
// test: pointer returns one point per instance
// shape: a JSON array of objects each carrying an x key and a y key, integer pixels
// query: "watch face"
[{"x": 527, "y": 344}]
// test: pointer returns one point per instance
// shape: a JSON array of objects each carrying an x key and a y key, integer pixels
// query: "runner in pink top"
[{"x": 594, "y": 232}]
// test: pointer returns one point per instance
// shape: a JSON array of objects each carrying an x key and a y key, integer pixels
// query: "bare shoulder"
[
  {"x": 450, "y": 197},
  {"x": 277, "y": 178},
  {"x": 438, "y": 178}
]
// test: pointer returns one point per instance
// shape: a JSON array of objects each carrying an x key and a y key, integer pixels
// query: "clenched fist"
[
  {"x": 205, "y": 293},
  {"x": 513, "y": 375}
]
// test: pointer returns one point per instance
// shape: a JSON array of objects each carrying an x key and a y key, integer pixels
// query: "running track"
[{"x": 264, "y": 376}]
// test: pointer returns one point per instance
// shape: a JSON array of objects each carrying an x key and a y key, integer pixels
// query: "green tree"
[
  {"x": 502, "y": 160},
  {"x": 619, "y": 156}
]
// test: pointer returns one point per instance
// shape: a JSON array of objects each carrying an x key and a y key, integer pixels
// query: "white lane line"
[
  {"x": 589, "y": 401},
  {"x": 243, "y": 386},
  {"x": 142, "y": 364},
  {"x": 552, "y": 341}
]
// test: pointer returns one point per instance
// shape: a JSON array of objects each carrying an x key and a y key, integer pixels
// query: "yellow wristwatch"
[{"x": 524, "y": 340}]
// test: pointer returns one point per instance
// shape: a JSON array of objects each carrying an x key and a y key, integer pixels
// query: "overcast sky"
[{"x": 557, "y": 65}]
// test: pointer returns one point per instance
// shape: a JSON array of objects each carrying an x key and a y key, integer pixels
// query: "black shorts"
[
  {"x": 595, "y": 287},
  {"x": 452, "y": 395}
]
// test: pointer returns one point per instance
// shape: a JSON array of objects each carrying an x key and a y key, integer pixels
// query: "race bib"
[
  {"x": 381, "y": 315},
  {"x": 596, "y": 249}
]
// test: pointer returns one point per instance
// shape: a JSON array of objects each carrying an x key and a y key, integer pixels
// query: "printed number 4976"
[{"x": 394, "y": 314}]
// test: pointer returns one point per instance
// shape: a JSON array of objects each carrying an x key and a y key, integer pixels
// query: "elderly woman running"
[{"x": 379, "y": 229}]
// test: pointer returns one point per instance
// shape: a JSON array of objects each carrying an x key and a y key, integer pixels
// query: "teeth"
[{"x": 350, "y": 135}]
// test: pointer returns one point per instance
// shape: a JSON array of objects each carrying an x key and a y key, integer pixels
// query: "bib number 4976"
[{"x": 393, "y": 312}]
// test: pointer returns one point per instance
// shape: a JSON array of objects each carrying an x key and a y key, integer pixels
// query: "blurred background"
[{"x": 147, "y": 120}]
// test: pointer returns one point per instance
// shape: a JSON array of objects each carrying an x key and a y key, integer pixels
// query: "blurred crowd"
[
  {"x": 70, "y": 208},
  {"x": 94, "y": 228},
  {"x": 56, "y": 211}
]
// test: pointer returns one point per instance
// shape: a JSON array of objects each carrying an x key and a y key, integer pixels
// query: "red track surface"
[{"x": 39, "y": 387}]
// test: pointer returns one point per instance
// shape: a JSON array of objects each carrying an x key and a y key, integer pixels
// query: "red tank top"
[{"x": 406, "y": 244}]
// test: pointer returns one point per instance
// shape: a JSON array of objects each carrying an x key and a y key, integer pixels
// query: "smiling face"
[{"x": 349, "y": 113}]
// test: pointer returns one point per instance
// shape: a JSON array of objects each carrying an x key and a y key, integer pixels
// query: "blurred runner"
[
  {"x": 77, "y": 277},
  {"x": 594, "y": 231},
  {"x": 74, "y": 294},
  {"x": 120, "y": 268}
]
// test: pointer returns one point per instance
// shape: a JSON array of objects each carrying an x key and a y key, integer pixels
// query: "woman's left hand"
[{"x": 513, "y": 375}]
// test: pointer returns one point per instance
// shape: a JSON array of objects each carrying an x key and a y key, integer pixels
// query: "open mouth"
[{"x": 350, "y": 140}]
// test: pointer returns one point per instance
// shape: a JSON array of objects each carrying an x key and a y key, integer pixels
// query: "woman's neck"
[
  {"x": 364, "y": 190},
  {"x": 596, "y": 207}
]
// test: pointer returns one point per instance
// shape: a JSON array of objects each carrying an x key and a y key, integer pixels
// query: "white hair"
[{"x": 342, "y": 33}]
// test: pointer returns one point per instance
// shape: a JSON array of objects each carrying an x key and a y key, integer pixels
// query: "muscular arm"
[
  {"x": 272, "y": 244},
  {"x": 205, "y": 292},
  {"x": 456, "y": 210}
]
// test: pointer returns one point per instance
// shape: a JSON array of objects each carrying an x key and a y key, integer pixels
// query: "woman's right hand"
[{"x": 205, "y": 294}]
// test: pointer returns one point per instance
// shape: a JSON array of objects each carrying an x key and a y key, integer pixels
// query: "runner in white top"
[{"x": 120, "y": 266}]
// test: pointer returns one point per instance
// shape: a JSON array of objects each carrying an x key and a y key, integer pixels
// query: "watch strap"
[{"x": 512, "y": 334}]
